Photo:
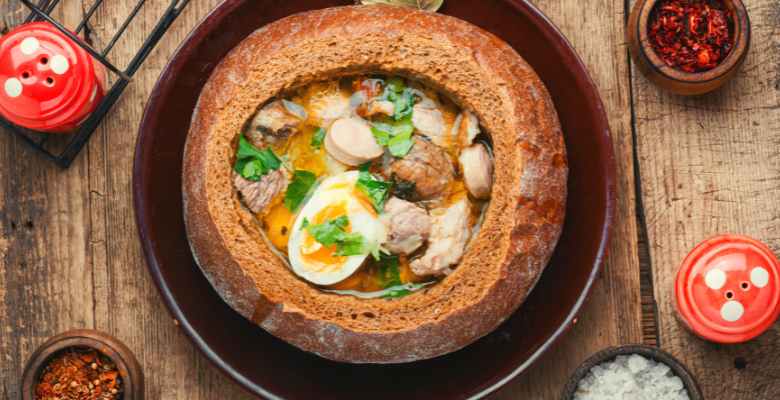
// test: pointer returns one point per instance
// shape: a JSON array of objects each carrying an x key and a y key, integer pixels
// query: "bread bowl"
[{"x": 501, "y": 263}]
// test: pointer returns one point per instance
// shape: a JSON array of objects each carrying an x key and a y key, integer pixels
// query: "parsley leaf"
[
  {"x": 252, "y": 163},
  {"x": 390, "y": 278},
  {"x": 302, "y": 182},
  {"x": 402, "y": 290},
  {"x": 396, "y": 135},
  {"x": 350, "y": 244},
  {"x": 377, "y": 190},
  {"x": 402, "y": 104},
  {"x": 400, "y": 145},
  {"x": 389, "y": 270},
  {"x": 332, "y": 232},
  {"x": 395, "y": 84},
  {"x": 318, "y": 138},
  {"x": 401, "y": 97},
  {"x": 329, "y": 231}
]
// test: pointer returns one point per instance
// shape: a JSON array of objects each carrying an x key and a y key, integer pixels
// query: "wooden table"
[{"x": 688, "y": 168}]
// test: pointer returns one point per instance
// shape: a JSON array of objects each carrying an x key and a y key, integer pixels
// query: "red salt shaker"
[
  {"x": 728, "y": 289},
  {"x": 49, "y": 83}
]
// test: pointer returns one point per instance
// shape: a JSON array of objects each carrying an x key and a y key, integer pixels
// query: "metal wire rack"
[{"x": 62, "y": 149}]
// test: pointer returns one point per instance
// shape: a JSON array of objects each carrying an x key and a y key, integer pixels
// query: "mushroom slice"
[
  {"x": 274, "y": 121},
  {"x": 477, "y": 168},
  {"x": 350, "y": 141}
]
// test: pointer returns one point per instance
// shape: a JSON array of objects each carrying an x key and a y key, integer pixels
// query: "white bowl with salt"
[{"x": 634, "y": 372}]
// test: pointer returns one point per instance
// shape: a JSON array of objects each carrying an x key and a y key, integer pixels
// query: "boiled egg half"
[{"x": 336, "y": 197}]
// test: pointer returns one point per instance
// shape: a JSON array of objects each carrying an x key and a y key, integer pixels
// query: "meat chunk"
[
  {"x": 327, "y": 103},
  {"x": 376, "y": 107},
  {"x": 350, "y": 141},
  {"x": 429, "y": 121},
  {"x": 465, "y": 128},
  {"x": 275, "y": 121},
  {"x": 408, "y": 226},
  {"x": 427, "y": 165},
  {"x": 477, "y": 168},
  {"x": 450, "y": 230},
  {"x": 258, "y": 194}
]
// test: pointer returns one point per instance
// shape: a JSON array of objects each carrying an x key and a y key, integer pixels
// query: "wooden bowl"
[
  {"x": 650, "y": 352},
  {"x": 672, "y": 79},
  {"x": 269, "y": 367},
  {"x": 129, "y": 369}
]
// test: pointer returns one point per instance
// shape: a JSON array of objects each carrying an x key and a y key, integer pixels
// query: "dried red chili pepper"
[
  {"x": 691, "y": 35},
  {"x": 79, "y": 374}
]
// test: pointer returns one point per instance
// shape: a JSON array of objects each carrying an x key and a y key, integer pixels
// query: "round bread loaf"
[{"x": 502, "y": 262}]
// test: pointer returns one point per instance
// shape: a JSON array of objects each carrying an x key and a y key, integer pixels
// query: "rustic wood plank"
[
  {"x": 45, "y": 287},
  {"x": 710, "y": 165},
  {"x": 174, "y": 369},
  {"x": 612, "y": 315}
]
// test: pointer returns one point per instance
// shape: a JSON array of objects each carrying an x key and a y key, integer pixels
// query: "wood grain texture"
[
  {"x": 612, "y": 314},
  {"x": 70, "y": 256},
  {"x": 710, "y": 165}
]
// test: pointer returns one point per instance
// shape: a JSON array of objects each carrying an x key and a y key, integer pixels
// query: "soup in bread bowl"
[{"x": 374, "y": 184}]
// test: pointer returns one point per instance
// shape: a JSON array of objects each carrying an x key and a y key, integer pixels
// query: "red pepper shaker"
[
  {"x": 728, "y": 289},
  {"x": 49, "y": 83}
]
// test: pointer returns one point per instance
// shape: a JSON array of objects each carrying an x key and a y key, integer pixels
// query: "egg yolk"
[
  {"x": 278, "y": 223},
  {"x": 303, "y": 155},
  {"x": 324, "y": 256}
]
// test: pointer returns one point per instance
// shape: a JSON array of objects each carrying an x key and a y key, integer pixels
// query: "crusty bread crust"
[{"x": 501, "y": 265}]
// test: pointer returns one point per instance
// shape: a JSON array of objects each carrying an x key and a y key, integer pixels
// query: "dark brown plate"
[{"x": 269, "y": 367}]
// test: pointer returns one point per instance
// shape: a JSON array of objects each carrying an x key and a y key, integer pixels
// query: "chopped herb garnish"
[
  {"x": 299, "y": 187},
  {"x": 401, "y": 97},
  {"x": 332, "y": 232},
  {"x": 376, "y": 189},
  {"x": 396, "y": 135},
  {"x": 252, "y": 163},
  {"x": 403, "y": 290},
  {"x": 318, "y": 138},
  {"x": 389, "y": 270},
  {"x": 352, "y": 244},
  {"x": 403, "y": 103},
  {"x": 400, "y": 145},
  {"x": 395, "y": 84},
  {"x": 390, "y": 278}
]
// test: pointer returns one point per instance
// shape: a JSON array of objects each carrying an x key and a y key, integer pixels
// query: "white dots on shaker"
[
  {"x": 732, "y": 311},
  {"x": 29, "y": 45},
  {"x": 759, "y": 276},
  {"x": 13, "y": 87},
  {"x": 59, "y": 64},
  {"x": 715, "y": 278}
]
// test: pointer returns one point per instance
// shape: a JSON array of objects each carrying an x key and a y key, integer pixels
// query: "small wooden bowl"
[
  {"x": 674, "y": 80},
  {"x": 129, "y": 368},
  {"x": 650, "y": 352}
]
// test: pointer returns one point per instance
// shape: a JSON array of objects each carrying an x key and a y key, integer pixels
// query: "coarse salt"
[{"x": 631, "y": 377}]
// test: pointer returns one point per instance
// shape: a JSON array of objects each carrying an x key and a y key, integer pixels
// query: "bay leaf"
[{"x": 427, "y": 5}]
